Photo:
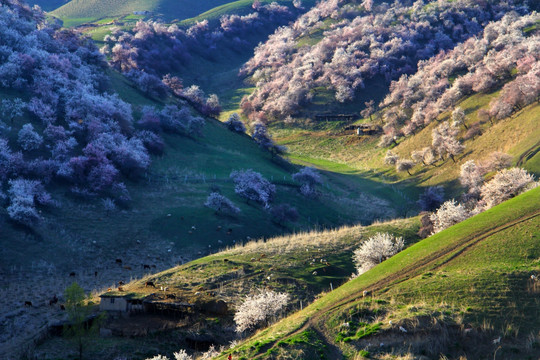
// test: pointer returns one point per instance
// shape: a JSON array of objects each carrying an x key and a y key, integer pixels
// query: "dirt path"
[
  {"x": 430, "y": 262},
  {"x": 528, "y": 154}
]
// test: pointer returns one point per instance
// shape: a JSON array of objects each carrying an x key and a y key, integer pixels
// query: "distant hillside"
[
  {"x": 82, "y": 11},
  {"x": 470, "y": 291},
  {"x": 48, "y": 5},
  {"x": 166, "y": 9}
]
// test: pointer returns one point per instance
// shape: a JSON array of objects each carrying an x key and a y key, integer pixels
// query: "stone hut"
[{"x": 119, "y": 302}]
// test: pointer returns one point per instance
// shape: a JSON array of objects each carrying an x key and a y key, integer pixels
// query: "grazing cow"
[
  {"x": 53, "y": 301},
  {"x": 149, "y": 283},
  {"x": 62, "y": 307},
  {"x": 146, "y": 266},
  {"x": 120, "y": 288},
  {"x": 109, "y": 289},
  {"x": 118, "y": 261},
  {"x": 72, "y": 274},
  {"x": 28, "y": 303},
  {"x": 120, "y": 283}
]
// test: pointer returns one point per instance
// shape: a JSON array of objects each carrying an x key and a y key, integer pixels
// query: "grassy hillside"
[
  {"x": 328, "y": 146},
  {"x": 453, "y": 293},
  {"x": 48, "y": 5},
  {"x": 282, "y": 263},
  {"x": 167, "y": 9},
  {"x": 80, "y": 236},
  {"x": 77, "y": 12}
]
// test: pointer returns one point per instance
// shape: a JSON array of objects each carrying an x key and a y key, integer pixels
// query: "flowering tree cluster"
[
  {"x": 283, "y": 213},
  {"x": 179, "y": 355},
  {"x": 235, "y": 124},
  {"x": 506, "y": 184},
  {"x": 309, "y": 178},
  {"x": 259, "y": 309},
  {"x": 362, "y": 42},
  {"x": 450, "y": 213},
  {"x": 375, "y": 250},
  {"x": 24, "y": 196},
  {"x": 444, "y": 144},
  {"x": 151, "y": 50},
  {"x": 431, "y": 198},
  {"x": 253, "y": 186},
  {"x": 506, "y": 53},
  {"x": 221, "y": 204},
  {"x": 75, "y": 131},
  {"x": 264, "y": 139}
]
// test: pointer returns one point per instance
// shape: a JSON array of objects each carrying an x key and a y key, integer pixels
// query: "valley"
[{"x": 178, "y": 160}]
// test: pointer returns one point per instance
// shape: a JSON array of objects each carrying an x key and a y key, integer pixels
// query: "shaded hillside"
[
  {"x": 83, "y": 182},
  {"x": 304, "y": 265},
  {"x": 452, "y": 294}
]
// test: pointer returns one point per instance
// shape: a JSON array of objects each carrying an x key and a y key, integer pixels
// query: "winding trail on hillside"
[
  {"x": 430, "y": 262},
  {"x": 528, "y": 154}
]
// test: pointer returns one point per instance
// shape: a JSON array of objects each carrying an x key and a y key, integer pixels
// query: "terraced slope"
[{"x": 452, "y": 293}]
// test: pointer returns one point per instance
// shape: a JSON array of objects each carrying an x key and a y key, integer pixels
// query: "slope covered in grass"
[
  {"x": 167, "y": 9},
  {"x": 77, "y": 12},
  {"x": 453, "y": 293},
  {"x": 304, "y": 265}
]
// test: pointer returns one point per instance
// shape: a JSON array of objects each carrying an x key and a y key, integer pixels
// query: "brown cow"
[
  {"x": 28, "y": 303},
  {"x": 149, "y": 283},
  {"x": 72, "y": 274}
]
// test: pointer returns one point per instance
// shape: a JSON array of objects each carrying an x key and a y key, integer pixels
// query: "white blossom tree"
[
  {"x": 29, "y": 139},
  {"x": 506, "y": 184},
  {"x": 450, "y": 213},
  {"x": 375, "y": 250},
  {"x": 471, "y": 177},
  {"x": 235, "y": 124},
  {"x": 253, "y": 186},
  {"x": 391, "y": 158},
  {"x": 221, "y": 204},
  {"x": 259, "y": 309},
  {"x": 458, "y": 117},
  {"x": 309, "y": 178},
  {"x": 405, "y": 165}
]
